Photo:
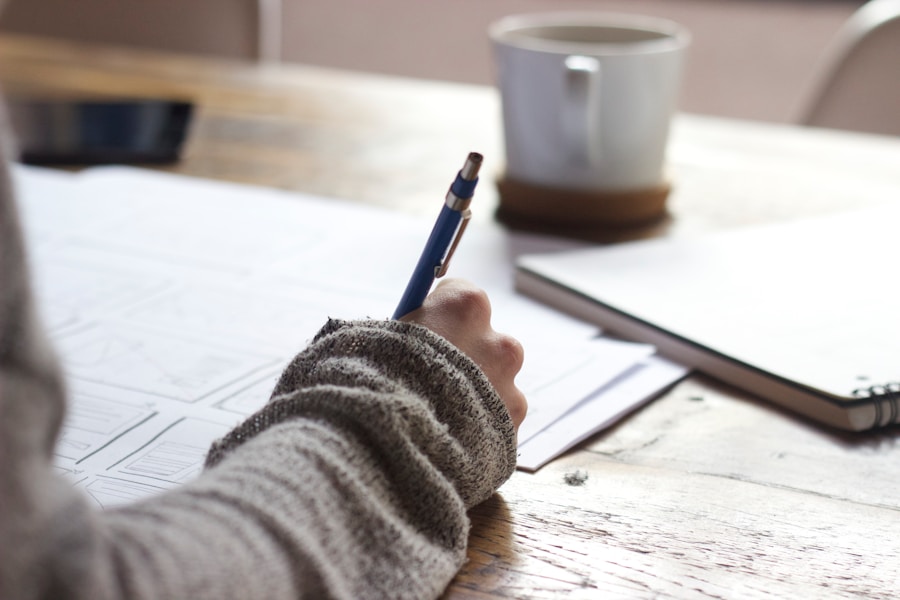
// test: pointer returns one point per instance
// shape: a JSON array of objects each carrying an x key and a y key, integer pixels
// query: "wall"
[{"x": 752, "y": 59}]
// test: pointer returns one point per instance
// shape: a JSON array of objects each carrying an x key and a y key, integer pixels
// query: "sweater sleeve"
[{"x": 353, "y": 481}]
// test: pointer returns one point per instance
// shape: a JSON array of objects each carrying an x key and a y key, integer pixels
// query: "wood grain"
[{"x": 705, "y": 493}]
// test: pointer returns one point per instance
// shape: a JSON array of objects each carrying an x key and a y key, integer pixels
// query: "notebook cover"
[{"x": 801, "y": 313}]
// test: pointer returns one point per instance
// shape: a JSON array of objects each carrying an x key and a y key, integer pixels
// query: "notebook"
[{"x": 805, "y": 314}]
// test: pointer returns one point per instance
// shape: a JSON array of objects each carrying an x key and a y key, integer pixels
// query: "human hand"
[{"x": 461, "y": 313}]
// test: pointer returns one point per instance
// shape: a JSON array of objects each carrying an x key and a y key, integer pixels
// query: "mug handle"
[{"x": 581, "y": 111}]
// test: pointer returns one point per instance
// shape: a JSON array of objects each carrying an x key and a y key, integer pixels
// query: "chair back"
[{"x": 858, "y": 84}]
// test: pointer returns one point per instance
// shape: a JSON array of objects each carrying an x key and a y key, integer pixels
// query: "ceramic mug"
[{"x": 587, "y": 98}]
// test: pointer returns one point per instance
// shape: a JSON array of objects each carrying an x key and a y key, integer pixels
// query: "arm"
[{"x": 352, "y": 482}]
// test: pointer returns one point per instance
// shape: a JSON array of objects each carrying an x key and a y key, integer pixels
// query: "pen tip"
[{"x": 473, "y": 164}]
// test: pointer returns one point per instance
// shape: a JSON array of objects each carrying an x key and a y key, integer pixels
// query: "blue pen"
[{"x": 444, "y": 238}]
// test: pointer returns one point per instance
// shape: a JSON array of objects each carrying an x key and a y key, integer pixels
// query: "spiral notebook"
[{"x": 805, "y": 314}]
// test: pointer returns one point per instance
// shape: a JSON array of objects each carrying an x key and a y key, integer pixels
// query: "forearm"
[
  {"x": 31, "y": 411},
  {"x": 352, "y": 482},
  {"x": 420, "y": 396},
  {"x": 298, "y": 512}
]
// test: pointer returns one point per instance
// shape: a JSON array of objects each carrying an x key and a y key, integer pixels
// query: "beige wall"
[
  {"x": 750, "y": 59},
  {"x": 221, "y": 27}
]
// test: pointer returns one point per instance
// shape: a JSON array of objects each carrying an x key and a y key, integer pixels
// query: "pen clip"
[{"x": 441, "y": 269}]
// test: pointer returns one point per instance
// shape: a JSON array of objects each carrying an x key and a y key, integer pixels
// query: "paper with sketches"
[{"x": 176, "y": 302}]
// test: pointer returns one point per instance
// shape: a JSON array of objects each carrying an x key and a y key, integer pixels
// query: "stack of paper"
[{"x": 176, "y": 302}]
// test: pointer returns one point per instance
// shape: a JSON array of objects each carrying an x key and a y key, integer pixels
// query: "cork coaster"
[{"x": 555, "y": 210}]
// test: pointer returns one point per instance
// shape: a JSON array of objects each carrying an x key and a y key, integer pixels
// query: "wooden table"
[{"x": 706, "y": 492}]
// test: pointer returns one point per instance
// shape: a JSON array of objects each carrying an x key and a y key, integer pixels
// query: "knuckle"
[
  {"x": 510, "y": 351},
  {"x": 473, "y": 302},
  {"x": 518, "y": 408}
]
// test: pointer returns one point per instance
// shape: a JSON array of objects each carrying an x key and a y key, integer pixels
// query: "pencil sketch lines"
[{"x": 164, "y": 365}]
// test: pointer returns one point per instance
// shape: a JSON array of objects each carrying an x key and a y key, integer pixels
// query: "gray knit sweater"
[{"x": 353, "y": 482}]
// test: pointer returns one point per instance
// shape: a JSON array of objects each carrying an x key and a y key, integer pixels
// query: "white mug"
[{"x": 588, "y": 97}]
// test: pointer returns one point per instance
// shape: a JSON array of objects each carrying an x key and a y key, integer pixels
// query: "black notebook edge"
[{"x": 846, "y": 413}]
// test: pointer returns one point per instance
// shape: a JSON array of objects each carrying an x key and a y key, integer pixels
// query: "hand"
[{"x": 461, "y": 313}]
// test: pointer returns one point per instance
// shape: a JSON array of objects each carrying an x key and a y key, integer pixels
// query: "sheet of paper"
[
  {"x": 567, "y": 375},
  {"x": 175, "y": 303},
  {"x": 609, "y": 404}
]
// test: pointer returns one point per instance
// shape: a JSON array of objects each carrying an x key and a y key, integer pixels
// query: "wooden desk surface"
[{"x": 706, "y": 492}]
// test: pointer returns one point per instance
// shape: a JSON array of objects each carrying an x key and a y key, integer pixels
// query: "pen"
[{"x": 444, "y": 238}]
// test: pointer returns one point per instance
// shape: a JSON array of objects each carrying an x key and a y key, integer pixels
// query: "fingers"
[
  {"x": 510, "y": 357},
  {"x": 461, "y": 312}
]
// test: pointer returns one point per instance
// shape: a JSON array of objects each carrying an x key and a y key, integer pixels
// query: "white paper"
[
  {"x": 621, "y": 396},
  {"x": 567, "y": 375},
  {"x": 175, "y": 303}
]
